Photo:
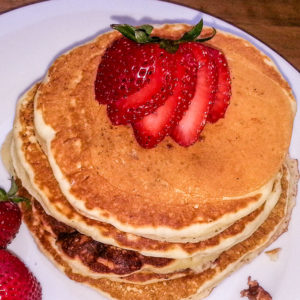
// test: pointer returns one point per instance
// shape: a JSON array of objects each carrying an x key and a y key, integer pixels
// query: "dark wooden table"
[{"x": 276, "y": 23}]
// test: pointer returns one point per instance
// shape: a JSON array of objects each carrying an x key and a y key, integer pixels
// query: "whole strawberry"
[
  {"x": 10, "y": 221},
  {"x": 16, "y": 281},
  {"x": 10, "y": 215}
]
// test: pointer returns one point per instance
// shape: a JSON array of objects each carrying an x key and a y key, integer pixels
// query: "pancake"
[
  {"x": 33, "y": 169},
  {"x": 193, "y": 286},
  {"x": 86, "y": 258},
  {"x": 98, "y": 260},
  {"x": 168, "y": 193},
  {"x": 157, "y": 265}
]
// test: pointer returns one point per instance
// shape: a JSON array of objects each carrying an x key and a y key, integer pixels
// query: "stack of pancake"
[{"x": 163, "y": 223}]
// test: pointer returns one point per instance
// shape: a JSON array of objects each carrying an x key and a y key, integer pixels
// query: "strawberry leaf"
[
  {"x": 11, "y": 194},
  {"x": 207, "y": 38},
  {"x": 18, "y": 199},
  {"x": 127, "y": 30},
  {"x": 141, "y": 36},
  {"x": 193, "y": 33},
  {"x": 13, "y": 188},
  {"x": 3, "y": 196},
  {"x": 147, "y": 28},
  {"x": 169, "y": 45}
]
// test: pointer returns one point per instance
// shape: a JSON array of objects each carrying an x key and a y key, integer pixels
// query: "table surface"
[{"x": 274, "y": 22}]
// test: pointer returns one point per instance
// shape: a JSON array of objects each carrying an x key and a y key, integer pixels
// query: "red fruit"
[
  {"x": 133, "y": 79},
  {"x": 163, "y": 86},
  {"x": 16, "y": 281},
  {"x": 189, "y": 128},
  {"x": 124, "y": 69},
  {"x": 223, "y": 92},
  {"x": 153, "y": 128},
  {"x": 10, "y": 221}
]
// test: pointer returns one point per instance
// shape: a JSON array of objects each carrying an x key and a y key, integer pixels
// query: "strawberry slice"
[
  {"x": 153, "y": 128},
  {"x": 153, "y": 94},
  {"x": 125, "y": 68},
  {"x": 188, "y": 129},
  {"x": 223, "y": 92}
]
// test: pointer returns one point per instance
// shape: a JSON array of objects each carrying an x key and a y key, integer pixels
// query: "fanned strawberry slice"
[
  {"x": 188, "y": 129},
  {"x": 223, "y": 92},
  {"x": 153, "y": 128},
  {"x": 153, "y": 94},
  {"x": 125, "y": 68}
]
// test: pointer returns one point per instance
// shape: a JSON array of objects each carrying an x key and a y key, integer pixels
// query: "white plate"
[{"x": 33, "y": 36}]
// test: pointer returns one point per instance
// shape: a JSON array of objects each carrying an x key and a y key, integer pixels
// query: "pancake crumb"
[{"x": 273, "y": 254}]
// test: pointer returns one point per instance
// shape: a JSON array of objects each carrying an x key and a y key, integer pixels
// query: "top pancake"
[{"x": 170, "y": 191}]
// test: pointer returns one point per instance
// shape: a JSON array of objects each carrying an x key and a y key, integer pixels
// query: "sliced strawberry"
[
  {"x": 188, "y": 129},
  {"x": 153, "y": 94},
  {"x": 125, "y": 68},
  {"x": 144, "y": 83},
  {"x": 223, "y": 92},
  {"x": 153, "y": 128}
]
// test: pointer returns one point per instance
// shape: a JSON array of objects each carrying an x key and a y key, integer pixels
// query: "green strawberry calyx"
[
  {"x": 142, "y": 35},
  {"x": 11, "y": 195}
]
